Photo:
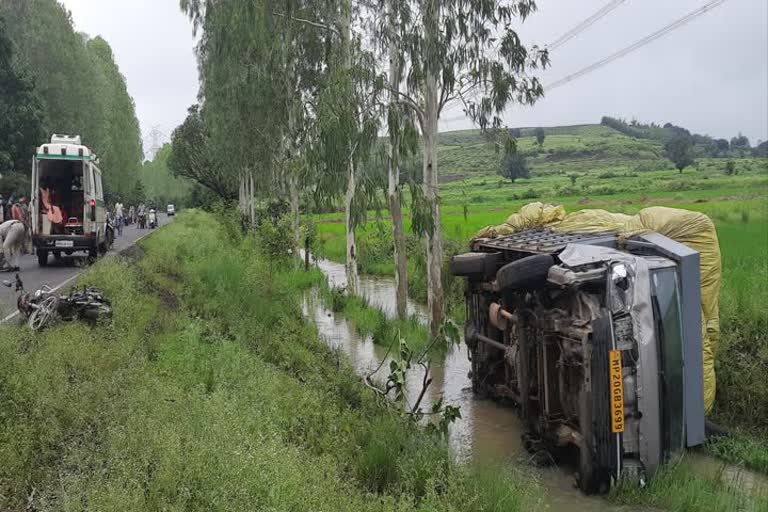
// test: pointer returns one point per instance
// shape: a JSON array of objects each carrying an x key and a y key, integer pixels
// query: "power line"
[
  {"x": 638, "y": 44},
  {"x": 588, "y": 22},
  {"x": 625, "y": 51}
]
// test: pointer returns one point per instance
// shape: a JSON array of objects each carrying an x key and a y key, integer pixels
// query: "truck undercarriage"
[{"x": 568, "y": 328}]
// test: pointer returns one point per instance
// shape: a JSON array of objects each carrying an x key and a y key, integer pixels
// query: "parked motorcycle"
[
  {"x": 42, "y": 307},
  {"x": 152, "y": 218}
]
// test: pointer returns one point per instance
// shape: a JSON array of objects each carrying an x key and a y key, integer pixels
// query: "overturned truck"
[{"x": 595, "y": 327}]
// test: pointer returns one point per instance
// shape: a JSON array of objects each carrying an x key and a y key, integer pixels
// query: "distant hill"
[{"x": 565, "y": 149}]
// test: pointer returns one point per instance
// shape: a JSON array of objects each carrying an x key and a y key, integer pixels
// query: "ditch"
[{"x": 487, "y": 431}]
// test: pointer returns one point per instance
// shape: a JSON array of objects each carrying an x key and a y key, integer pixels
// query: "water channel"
[{"x": 487, "y": 431}]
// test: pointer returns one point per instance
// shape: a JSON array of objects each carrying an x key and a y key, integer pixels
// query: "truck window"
[{"x": 666, "y": 299}]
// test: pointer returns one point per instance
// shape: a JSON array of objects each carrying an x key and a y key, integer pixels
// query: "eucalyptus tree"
[
  {"x": 465, "y": 52},
  {"x": 402, "y": 141},
  {"x": 261, "y": 64},
  {"x": 345, "y": 130}
]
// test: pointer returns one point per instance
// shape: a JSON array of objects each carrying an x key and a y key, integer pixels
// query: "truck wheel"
[
  {"x": 42, "y": 257},
  {"x": 57, "y": 255},
  {"x": 524, "y": 273}
]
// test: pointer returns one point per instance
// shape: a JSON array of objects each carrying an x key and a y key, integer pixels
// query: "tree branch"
[
  {"x": 305, "y": 21},
  {"x": 406, "y": 100}
]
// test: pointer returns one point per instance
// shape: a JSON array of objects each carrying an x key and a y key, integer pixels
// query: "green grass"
[
  {"x": 370, "y": 321},
  {"x": 743, "y": 449},
  {"x": 209, "y": 392},
  {"x": 677, "y": 486}
]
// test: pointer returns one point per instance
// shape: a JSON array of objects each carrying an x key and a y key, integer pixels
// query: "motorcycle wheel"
[
  {"x": 97, "y": 312},
  {"x": 44, "y": 315}
]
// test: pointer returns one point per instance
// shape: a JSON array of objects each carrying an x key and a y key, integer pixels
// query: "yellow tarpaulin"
[{"x": 693, "y": 229}]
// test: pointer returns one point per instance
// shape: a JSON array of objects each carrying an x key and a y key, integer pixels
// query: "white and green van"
[{"x": 67, "y": 207}]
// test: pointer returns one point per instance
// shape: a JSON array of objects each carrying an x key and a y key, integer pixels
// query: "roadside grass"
[
  {"x": 58, "y": 389},
  {"x": 677, "y": 486},
  {"x": 212, "y": 393},
  {"x": 747, "y": 450}
]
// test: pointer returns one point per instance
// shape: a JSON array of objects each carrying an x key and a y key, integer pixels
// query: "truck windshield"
[{"x": 666, "y": 308}]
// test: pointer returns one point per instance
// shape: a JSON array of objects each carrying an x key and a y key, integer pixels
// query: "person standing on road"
[
  {"x": 119, "y": 217},
  {"x": 12, "y": 238},
  {"x": 19, "y": 213},
  {"x": 142, "y": 216},
  {"x": 26, "y": 218}
]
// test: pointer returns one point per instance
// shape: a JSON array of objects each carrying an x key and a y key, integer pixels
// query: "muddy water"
[{"x": 486, "y": 431}]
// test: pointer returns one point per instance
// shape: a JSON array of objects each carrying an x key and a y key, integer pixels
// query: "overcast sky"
[{"x": 710, "y": 75}]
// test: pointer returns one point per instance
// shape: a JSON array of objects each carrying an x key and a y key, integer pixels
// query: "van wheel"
[
  {"x": 93, "y": 254},
  {"x": 524, "y": 273},
  {"x": 42, "y": 257}
]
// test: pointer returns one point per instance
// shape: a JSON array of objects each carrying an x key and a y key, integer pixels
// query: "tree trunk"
[
  {"x": 351, "y": 261},
  {"x": 393, "y": 175},
  {"x": 251, "y": 200},
  {"x": 434, "y": 239},
  {"x": 345, "y": 23},
  {"x": 296, "y": 238},
  {"x": 431, "y": 106},
  {"x": 241, "y": 196}
]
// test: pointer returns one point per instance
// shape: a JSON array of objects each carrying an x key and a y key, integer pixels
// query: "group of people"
[
  {"x": 122, "y": 216},
  {"x": 14, "y": 231},
  {"x": 15, "y": 235}
]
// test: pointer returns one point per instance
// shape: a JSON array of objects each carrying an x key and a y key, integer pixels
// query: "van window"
[
  {"x": 97, "y": 179},
  {"x": 87, "y": 172}
]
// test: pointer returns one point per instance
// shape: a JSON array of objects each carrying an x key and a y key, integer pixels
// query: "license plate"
[
  {"x": 65, "y": 243},
  {"x": 617, "y": 391}
]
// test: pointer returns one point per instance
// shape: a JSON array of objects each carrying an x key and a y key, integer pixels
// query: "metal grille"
[{"x": 546, "y": 241}]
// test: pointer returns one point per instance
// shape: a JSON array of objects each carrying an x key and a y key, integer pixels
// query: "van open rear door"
[{"x": 34, "y": 199}]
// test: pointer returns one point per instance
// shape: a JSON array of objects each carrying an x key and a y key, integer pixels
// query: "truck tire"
[
  {"x": 42, "y": 257},
  {"x": 524, "y": 273},
  {"x": 474, "y": 264}
]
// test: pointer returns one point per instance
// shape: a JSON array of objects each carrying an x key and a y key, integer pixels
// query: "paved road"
[{"x": 60, "y": 273}]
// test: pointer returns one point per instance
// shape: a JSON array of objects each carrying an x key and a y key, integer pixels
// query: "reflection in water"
[{"x": 486, "y": 431}]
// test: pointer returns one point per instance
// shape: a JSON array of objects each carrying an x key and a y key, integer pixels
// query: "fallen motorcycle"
[{"x": 42, "y": 307}]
